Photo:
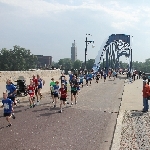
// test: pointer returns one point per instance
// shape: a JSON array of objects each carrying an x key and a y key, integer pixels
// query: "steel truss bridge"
[{"x": 115, "y": 46}]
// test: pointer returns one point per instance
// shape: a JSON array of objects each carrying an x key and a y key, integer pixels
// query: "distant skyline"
[{"x": 49, "y": 27}]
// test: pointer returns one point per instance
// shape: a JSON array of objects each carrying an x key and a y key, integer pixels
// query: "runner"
[
  {"x": 70, "y": 77},
  {"x": 105, "y": 75},
  {"x": 40, "y": 87},
  {"x": 31, "y": 89},
  {"x": 101, "y": 72},
  {"x": 62, "y": 78},
  {"x": 90, "y": 77},
  {"x": 78, "y": 87},
  {"x": 63, "y": 96},
  {"x": 74, "y": 85},
  {"x": 114, "y": 74},
  {"x": 87, "y": 79},
  {"x": 109, "y": 73},
  {"x": 35, "y": 83},
  {"x": 52, "y": 83},
  {"x": 56, "y": 93},
  {"x": 81, "y": 77},
  {"x": 11, "y": 91},
  {"x": 8, "y": 108},
  {"x": 97, "y": 77}
]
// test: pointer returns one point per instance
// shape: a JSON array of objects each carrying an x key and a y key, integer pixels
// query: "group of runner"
[
  {"x": 9, "y": 96},
  {"x": 57, "y": 92}
]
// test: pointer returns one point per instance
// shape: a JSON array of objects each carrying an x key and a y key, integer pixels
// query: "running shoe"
[
  {"x": 60, "y": 111},
  {"x": 9, "y": 125},
  {"x": 13, "y": 116}
]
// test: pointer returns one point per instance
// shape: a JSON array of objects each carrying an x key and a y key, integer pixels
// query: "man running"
[
  {"x": 8, "y": 108},
  {"x": 35, "y": 83},
  {"x": 90, "y": 77},
  {"x": 74, "y": 85},
  {"x": 40, "y": 84},
  {"x": 31, "y": 89},
  {"x": 81, "y": 77},
  {"x": 56, "y": 93},
  {"x": 52, "y": 83},
  {"x": 63, "y": 96},
  {"x": 11, "y": 91}
]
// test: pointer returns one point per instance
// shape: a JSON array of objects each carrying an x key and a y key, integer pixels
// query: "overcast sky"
[{"x": 49, "y": 27}]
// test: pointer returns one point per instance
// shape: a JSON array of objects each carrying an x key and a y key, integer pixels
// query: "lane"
[{"x": 88, "y": 125}]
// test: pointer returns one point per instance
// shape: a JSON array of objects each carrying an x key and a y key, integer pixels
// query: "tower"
[{"x": 73, "y": 52}]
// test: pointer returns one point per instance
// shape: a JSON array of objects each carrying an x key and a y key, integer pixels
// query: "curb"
[{"x": 115, "y": 145}]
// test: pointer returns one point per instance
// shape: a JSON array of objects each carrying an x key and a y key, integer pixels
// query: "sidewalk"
[{"x": 133, "y": 127}]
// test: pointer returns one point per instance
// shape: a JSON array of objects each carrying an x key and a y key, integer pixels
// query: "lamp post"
[{"x": 86, "y": 43}]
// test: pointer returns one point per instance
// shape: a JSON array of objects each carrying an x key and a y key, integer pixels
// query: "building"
[
  {"x": 44, "y": 61},
  {"x": 74, "y": 52}
]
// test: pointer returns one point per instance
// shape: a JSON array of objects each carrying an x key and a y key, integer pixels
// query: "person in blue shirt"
[
  {"x": 8, "y": 108},
  {"x": 56, "y": 92},
  {"x": 41, "y": 83},
  {"x": 105, "y": 75},
  {"x": 11, "y": 91},
  {"x": 70, "y": 77},
  {"x": 81, "y": 77},
  {"x": 87, "y": 78},
  {"x": 78, "y": 87},
  {"x": 62, "y": 78},
  {"x": 90, "y": 77}
]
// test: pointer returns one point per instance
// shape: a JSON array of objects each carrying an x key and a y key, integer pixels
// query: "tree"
[
  {"x": 17, "y": 59},
  {"x": 65, "y": 63},
  {"x": 77, "y": 64},
  {"x": 90, "y": 64}
]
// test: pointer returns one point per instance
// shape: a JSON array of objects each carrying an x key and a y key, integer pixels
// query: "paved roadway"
[{"x": 89, "y": 125}]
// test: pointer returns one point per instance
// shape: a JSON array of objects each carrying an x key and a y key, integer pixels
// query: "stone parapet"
[{"x": 14, "y": 75}]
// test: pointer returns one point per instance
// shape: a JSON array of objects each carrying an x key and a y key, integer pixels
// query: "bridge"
[{"x": 111, "y": 50}]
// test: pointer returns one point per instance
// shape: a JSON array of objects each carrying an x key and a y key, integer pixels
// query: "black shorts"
[
  {"x": 52, "y": 93},
  {"x": 90, "y": 79},
  {"x": 12, "y": 98},
  {"x": 97, "y": 78},
  {"x": 55, "y": 95},
  {"x": 104, "y": 77},
  {"x": 73, "y": 92},
  {"x": 87, "y": 80},
  {"x": 80, "y": 82},
  {"x": 7, "y": 114},
  {"x": 36, "y": 91},
  {"x": 63, "y": 99}
]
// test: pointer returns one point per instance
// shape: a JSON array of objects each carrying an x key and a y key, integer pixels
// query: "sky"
[{"x": 49, "y": 27}]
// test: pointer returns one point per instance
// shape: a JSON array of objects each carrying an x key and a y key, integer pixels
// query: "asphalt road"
[{"x": 89, "y": 125}]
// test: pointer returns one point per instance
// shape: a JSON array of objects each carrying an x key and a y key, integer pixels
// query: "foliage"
[
  {"x": 77, "y": 64},
  {"x": 17, "y": 59},
  {"x": 90, "y": 64}
]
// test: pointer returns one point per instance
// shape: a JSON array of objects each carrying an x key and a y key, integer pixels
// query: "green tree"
[
  {"x": 77, "y": 64},
  {"x": 90, "y": 64},
  {"x": 17, "y": 59},
  {"x": 65, "y": 63}
]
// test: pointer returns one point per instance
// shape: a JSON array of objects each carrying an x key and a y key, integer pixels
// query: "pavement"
[
  {"x": 107, "y": 117},
  {"x": 132, "y": 130},
  {"x": 89, "y": 125}
]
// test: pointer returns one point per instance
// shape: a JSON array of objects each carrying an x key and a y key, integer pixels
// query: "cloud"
[{"x": 120, "y": 14}]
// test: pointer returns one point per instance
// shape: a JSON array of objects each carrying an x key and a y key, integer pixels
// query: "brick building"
[{"x": 44, "y": 61}]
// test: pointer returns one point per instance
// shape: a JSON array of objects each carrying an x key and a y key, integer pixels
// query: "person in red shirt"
[
  {"x": 63, "y": 96},
  {"x": 35, "y": 83},
  {"x": 146, "y": 94},
  {"x": 31, "y": 90}
]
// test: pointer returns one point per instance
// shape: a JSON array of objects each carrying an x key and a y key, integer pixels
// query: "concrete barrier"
[{"x": 14, "y": 75}]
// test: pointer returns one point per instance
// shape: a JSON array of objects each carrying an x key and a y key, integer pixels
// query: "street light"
[{"x": 88, "y": 42}]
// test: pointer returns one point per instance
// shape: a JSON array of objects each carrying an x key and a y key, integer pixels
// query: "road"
[{"x": 89, "y": 125}]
